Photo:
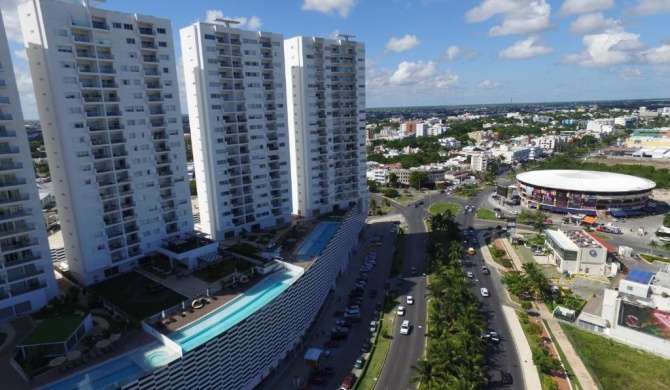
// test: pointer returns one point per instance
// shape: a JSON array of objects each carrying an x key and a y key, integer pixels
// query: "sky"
[{"x": 449, "y": 52}]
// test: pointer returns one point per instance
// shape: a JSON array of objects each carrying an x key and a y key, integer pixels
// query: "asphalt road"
[{"x": 407, "y": 349}]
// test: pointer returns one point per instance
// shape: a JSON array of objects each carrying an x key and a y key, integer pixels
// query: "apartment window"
[
  {"x": 130, "y": 122},
  {"x": 162, "y": 44},
  {"x": 137, "y": 95},
  {"x": 164, "y": 57},
  {"x": 250, "y": 41},
  {"x": 160, "y": 30},
  {"x": 60, "y": 32},
  {"x": 70, "y": 80},
  {"x": 71, "y": 95},
  {"x": 75, "y": 110},
  {"x": 166, "y": 70},
  {"x": 210, "y": 37},
  {"x": 130, "y": 41},
  {"x": 170, "y": 108},
  {"x": 127, "y": 26},
  {"x": 116, "y": 25},
  {"x": 125, "y": 82},
  {"x": 137, "y": 82},
  {"x": 134, "y": 68},
  {"x": 212, "y": 61},
  {"x": 65, "y": 49},
  {"x": 78, "y": 125},
  {"x": 123, "y": 68},
  {"x": 139, "y": 108},
  {"x": 132, "y": 54},
  {"x": 167, "y": 83},
  {"x": 210, "y": 49}
]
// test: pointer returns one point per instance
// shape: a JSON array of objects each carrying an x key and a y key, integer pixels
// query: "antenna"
[
  {"x": 346, "y": 36},
  {"x": 227, "y": 22}
]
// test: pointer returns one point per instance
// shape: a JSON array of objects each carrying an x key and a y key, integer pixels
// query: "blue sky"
[{"x": 440, "y": 52}]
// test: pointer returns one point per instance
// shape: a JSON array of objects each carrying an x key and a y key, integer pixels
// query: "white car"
[
  {"x": 471, "y": 275},
  {"x": 404, "y": 328},
  {"x": 401, "y": 310},
  {"x": 484, "y": 291},
  {"x": 410, "y": 300}
]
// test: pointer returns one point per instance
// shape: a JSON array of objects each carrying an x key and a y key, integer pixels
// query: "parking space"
[{"x": 585, "y": 288}]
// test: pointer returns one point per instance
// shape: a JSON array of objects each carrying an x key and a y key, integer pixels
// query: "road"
[{"x": 407, "y": 349}]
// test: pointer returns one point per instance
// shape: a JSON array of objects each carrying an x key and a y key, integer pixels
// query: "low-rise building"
[{"x": 576, "y": 252}]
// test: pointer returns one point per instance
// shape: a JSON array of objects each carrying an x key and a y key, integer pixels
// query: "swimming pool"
[
  {"x": 101, "y": 376},
  {"x": 201, "y": 331},
  {"x": 317, "y": 240}
]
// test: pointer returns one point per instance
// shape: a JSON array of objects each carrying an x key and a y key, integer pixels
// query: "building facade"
[
  {"x": 237, "y": 111},
  {"x": 106, "y": 88},
  {"x": 26, "y": 275},
  {"x": 576, "y": 252},
  {"x": 326, "y": 111}
]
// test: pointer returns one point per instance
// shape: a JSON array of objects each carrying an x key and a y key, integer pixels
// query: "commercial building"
[
  {"x": 26, "y": 275},
  {"x": 479, "y": 162},
  {"x": 326, "y": 111},
  {"x": 635, "y": 310},
  {"x": 576, "y": 252},
  {"x": 585, "y": 192},
  {"x": 237, "y": 111},
  {"x": 106, "y": 89},
  {"x": 433, "y": 175}
]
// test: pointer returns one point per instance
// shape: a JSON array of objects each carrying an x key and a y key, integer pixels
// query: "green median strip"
[{"x": 566, "y": 363}]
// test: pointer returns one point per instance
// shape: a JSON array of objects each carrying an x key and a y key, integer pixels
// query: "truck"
[{"x": 609, "y": 228}]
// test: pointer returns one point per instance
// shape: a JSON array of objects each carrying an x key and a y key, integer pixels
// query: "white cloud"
[
  {"x": 251, "y": 23},
  {"x": 592, "y": 23},
  {"x": 488, "y": 84},
  {"x": 571, "y": 7},
  {"x": 342, "y": 7},
  {"x": 452, "y": 53},
  {"x": 652, "y": 7},
  {"x": 527, "y": 48},
  {"x": 24, "y": 83},
  {"x": 519, "y": 16},
  {"x": 21, "y": 53},
  {"x": 10, "y": 16},
  {"x": 656, "y": 55},
  {"x": 422, "y": 75},
  {"x": 420, "y": 82},
  {"x": 609, "y": 48},
  {"x": 397, "y": 45},
  {"x": 630, "y": 74}
]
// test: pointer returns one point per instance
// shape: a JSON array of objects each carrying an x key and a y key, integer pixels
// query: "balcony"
[
  {"x": 10, "y": 166},
  {"x": 153, "y": 85},
  {"x": 9, "y": 150},
  {"x": 4, "y": 133},
  {"x": 150, "y": 59},
  {"x": 30, "y": 287},
  {"x": 16, "y": 230},
  {"x": 12, "y": 182},
  {"x": 148, "y": 45},
  {"x": 152, "y": 72},
  {"x": 24, "y": 260},
  {"x": 100, "y": 25},
  {"x": 109, "y": 85},
  {"x": 146, "y": 31},
  {"x": 6, "y": 117},
  {"x": 19, "y": 245}
]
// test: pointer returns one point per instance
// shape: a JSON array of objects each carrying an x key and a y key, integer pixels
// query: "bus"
[{"x": 663, "y": 234}]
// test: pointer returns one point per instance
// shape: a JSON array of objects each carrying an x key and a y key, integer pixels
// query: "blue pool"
[
  {"x": 101, "y": 376},
  {"x": 201, "y": 331},
  {"x": 317, "y": 240}
]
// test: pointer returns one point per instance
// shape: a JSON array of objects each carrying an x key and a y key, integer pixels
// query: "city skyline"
[{"x": 433, "y": 52}]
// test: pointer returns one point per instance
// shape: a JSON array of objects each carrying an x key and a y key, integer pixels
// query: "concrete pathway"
[
  {"x": 531, "y": 377},
  {"x": 575, "y": 361}
]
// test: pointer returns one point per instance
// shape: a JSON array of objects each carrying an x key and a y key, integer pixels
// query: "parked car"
[
  {"x": 366, "y": 346},
  {"x": 507, "y": 378},
  {"x": 349, "y": 381},
  {"x": 413, "y": 271},
  {"x": 484, "y": 291},
  {"x": 373, "y": 326},
  {"x": 360, "y": 362},
  {"x": 401, "y": 310},
  {"x": 404, "y": 327},
  {"x": 494, "y": 337}
]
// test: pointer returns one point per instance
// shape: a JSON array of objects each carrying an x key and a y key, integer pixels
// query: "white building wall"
[
  {"x": 259, "y": 344},
  {"x": 106, "y": 89},
  {"x": 26, "y": 274},
  {"x": 237, "y": 111},
  {"x": 326, "y": 109}
]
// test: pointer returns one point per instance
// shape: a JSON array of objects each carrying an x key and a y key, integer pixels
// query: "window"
[
  {"x": 59, "y": 32},
  {"x": 162, "y": 44},
  {"x": 134, "y": 68},
  {"x": 116, "y": 25},
  {"x": 210, "y": 37},
  {"x": 137, "y": 95},
  {"x": 127, "y": 26},
  {"x": 130, "y": 41},
  {"x": 70, "y": 80},
  {"x": 160, "y": 30},
  {"x": 164, "y": 57},
  {"x": 65, "y": 49},
  {"x": 250, "y": 41}
]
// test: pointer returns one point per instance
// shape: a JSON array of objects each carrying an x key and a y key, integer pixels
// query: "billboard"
[
  {"x": 502, "y": 191},
  {"x": 646, "y": 320}
]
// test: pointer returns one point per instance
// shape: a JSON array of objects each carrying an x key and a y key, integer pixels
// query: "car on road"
[
  {"x": 404, "y": 327},
  {"x": 373, "y": 326},
  {"x": 410, "y": 300},
  {"x": 349, "y": 381},
  {"x": 412, "y": 271},
  {"x": 494, "y": 337},
  {"x": 471, "y": 275},
  {"x": 507, "y": 378},
  {"x": 366, "y": 346},
  {"x": 484, "y": 291},
  {"x": 401, "y": 310},
  {"x": 486, "y": 270},
  {"x": 471, "y": 251},
  {"x": 360, "y": 362}
]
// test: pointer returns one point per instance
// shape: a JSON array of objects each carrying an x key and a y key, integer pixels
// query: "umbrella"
[
  {"x": 73, "y": 355},
  {"x": 55, "y": 362},
  {"x": 102, "y": 344},
  {"x": 114, "y": 337}
]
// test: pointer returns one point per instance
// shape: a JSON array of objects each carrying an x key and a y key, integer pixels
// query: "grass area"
[
  {"x": 533, "y": 332},
  {"x": 604, "y": 236},
  {"x": 382, "y": 344},
  {"x": 618, "y": 366},
  {"x": 398, "y": 256},
  {"x": 442, "y": 207},
  {"x": 486, "y": 215},
  {"x": 650, "y": 258},
  {"x": 222, "y": 269},
  {"x": 54, "y": 330},
  {"x": 524, "y": 254},
  {"x": 134, "y": 294},
  {"x": 566, "y": 363}
]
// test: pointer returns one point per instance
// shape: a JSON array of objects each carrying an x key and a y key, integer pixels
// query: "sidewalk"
[
  {"x": 575, "y": 361},
  {"x": 531, "y": 377}
]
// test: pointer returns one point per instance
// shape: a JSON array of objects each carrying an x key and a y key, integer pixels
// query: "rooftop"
[
  {"x": 585, "y": 181},
  {"x": 640, "y": 276},
  {"x": 53, "y": 330}
]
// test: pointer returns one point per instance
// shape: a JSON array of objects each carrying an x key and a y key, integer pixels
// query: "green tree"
[
  {"x": 418, "y": 179},
  {"x": 373, "y": 186},
  {"x": 653, "y": 245},
  {"x": 666, "y": 220},
  {"x": 393, "y": 179},
  {"x": 373, "y": 207}
]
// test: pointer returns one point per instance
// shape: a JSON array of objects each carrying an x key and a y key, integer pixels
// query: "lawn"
[
  {"x": 618, "y": 366},
  {"x": 377, "y": 357},
  {"x": 222, "y": 269},
  {"x": 486, "y": 215},
  {"x": 568, "y": 368},
  {"x": 442, "y": 207},
  {"x": 132, "y": 293},
  {"x": 651, "y": 258}
]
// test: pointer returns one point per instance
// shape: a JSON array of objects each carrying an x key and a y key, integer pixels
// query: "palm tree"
[
  {"x": 537, "y": 280},
  {"x": 373, "y": 206},
  {"x": 427, "y": 372},
  {"x": 653, "y": 244}
]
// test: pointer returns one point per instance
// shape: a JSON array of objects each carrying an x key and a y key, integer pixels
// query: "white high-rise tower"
[
  {"x": 237, "y": 111},
  {"x": 26, "y": 274},
  {"x": 106, "y": 89},
  {"x": 326, "y": 110}
]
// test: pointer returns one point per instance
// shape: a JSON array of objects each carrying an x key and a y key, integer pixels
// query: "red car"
[{"x": 349, "y": 381}]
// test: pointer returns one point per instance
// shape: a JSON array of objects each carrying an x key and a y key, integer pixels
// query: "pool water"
[
  {"x": 206, "y": 328},
  {"x": 318, "y": 239},
  {"x": 101, "y": 376}
]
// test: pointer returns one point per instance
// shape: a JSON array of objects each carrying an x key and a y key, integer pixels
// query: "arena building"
[{"x": 586, "y": 192}]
